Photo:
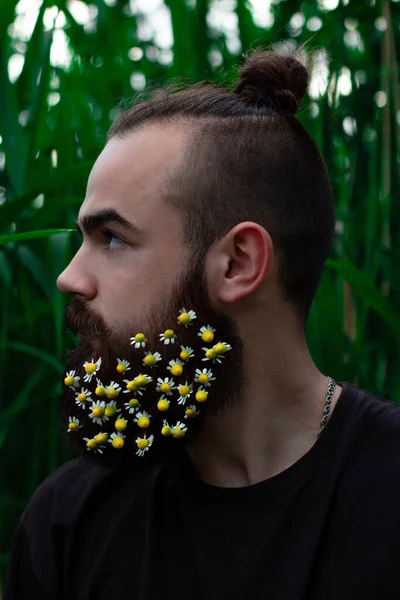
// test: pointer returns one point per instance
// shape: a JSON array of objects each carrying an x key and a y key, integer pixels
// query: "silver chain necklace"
[{"x": 327, "y": 406}]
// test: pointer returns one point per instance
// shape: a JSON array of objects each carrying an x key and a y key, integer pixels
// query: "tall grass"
[{"x": 53, "y": 121}]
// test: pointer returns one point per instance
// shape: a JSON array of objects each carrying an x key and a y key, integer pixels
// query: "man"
[{"x": 206, "y": 224}]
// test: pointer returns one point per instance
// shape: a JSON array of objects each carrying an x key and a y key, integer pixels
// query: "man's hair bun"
[{"x": 277, "y": 81}]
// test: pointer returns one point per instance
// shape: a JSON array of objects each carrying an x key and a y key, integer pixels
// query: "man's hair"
[{"x": 249, "y": 159}]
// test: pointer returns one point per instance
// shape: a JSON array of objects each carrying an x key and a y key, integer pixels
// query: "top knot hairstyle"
[{"x": 248, "y": 159}]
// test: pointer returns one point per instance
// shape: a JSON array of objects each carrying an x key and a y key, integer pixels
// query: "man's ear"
[{"x": 238, "y": 263}]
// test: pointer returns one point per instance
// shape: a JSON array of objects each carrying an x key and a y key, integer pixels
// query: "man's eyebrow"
[{"x": 108, "y": 216}]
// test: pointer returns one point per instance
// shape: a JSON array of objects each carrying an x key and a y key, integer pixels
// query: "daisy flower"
[
  {"x": 137, "y": 384},
  {"x": 143, "y": 444},
  {"x": 131, "y": 386},
  {"x": 97, "y": 413},
  {"x": 132, "y": 405},
  {"x": 101, "y": 438},
  {"x": 186, "y": 353},
  {"x": 100, "y": 389},
  {"x": 211, "y": 354},
  {"x": 166, "y": 386},
  {"x": 163, "y": 403},
  {"x": 207, "y": 333},
  {"x": 117, "y": 440},
  {"x": 185, "y": 391},
  {"x": 142, "y": 419},
  {"x": 92, "y": 444},
  {"x": 151, "y": 359},
  {"x": 123, "y": 365},
  {"x": 71, "y": 380},
  {"x": 120, "y": 424},
  {"x": 176, "y": 367},
  {"x": 82, "y": 396},
  {"x": 113, "y": 390},
  {"x": 201, "y": 394},
  {"x": 186, "y": 317},
  {"x": 179, "y": 430},
  {"x": 138, "y": 340},
  {"x": 168, "y": 337},
  {"x": 91, "y": 369},
  {"x": 73, "y": 424},
  {"x": 111, "y": 409},
  {"x": 222, "y": 347},
  {"x": 166, "y": 429},
  {"x": 191, "y": 411},
  {"x": 205, "y": 377}
]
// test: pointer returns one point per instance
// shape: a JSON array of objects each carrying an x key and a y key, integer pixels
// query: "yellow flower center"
[
  {"x": 73, "y": 426},
  {"x": 121, "y": 368},
  {"x": 91, "y": 444},
  {"x": 207, "y": 336},
  {"x": 165, "y": 387},
  {"x": 101, "y": 438},
  {"x": 133, "y": 402},
  {"x": 166, "y": 431},
  {"x": 211, "y": 353},
  {"x": 149, "y": 360},
  {"x": 139, "y": 337},
  {"x": 220, "y": 348},
  {"x": 69, "y": 380},
  {"x": 176, "y": 370},
  {"x": 168, "y": 333},
  {"x": 141, "y": 380},
  {"x": 81, "y": 397},
  {"x": 120, "y": 424},
  {"x": 143, "y": 422},
  {"x": 141, "y": 444},
  {"x": 100, "y": 390},
  {"x": 117, "y": 442},
  {"x": 132, "y": 386},
  {"x": 112, "y": 393},
  {"x": 110, "y": 411},
  {"x": 189, "y": 412},
  {"x": 178, "y": 433},
  {"x": 98, "y": 411},
  {"x": 203, "y": 378},
  {"x": 184, "y": 318},
  {"x": 90, "y": 368},
  {"x": 201, "y": 396},
  {"x": 163, "y": 405},
  {"x": 184, "y": 390},
  {"x": 184, "y": 355}
]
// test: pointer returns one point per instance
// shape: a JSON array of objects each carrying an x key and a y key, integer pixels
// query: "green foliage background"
[{"x": 53, "y": 122}]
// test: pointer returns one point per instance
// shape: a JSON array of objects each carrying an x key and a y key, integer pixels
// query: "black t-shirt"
[{"x": 326, "y": 528}]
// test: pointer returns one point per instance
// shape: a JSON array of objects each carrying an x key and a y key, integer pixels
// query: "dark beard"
[{"x": 98, "y": 340}]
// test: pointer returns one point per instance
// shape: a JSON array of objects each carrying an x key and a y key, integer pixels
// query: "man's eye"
[{"x": 114, "y": 241}]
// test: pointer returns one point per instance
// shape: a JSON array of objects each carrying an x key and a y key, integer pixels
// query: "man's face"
[{"x": 125, "y": 282}]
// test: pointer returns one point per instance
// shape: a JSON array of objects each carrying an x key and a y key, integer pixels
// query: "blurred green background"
[{"x": 64, "y": 67}]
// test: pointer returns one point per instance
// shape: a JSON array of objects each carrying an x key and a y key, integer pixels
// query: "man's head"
[{"x": 213, "y": 200}]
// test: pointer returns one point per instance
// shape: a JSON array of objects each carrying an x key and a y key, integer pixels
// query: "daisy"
[
  {"x": 186, "y": 317},
  {"x": 185, "y": 391},
  {"x": 132, "y": 406},
  {"x": 211, "y": 354},
  {"x": 205, "y": 377},
  {"x": 82, "y": 396},
  {"x": 92, "y": 444},
  {"x": 142, "y": 419},
  {"x": 137, "y": 384},
  {"x": 143, "y": 444},
  {"x": 111, "y": 409},
  {"x": 120, "y": 424},
  {"x": 131, "y": 386},
  {"x": 123, "y": 365},
  {"x": 166, "y": 386},
  {"x": 138, "y": 340},
  {"x": 71, "y": 380},
  {"x": 168, "y": 337},
  {"x": 176, "y": 367},
  {"x": 117, "y": 440},
  {"x": 191, "y": 411},
  {"x": 179, "y": 430},
  {"x": 166, "y": 429},
  {"x": 91, "y": 368},
  {"x": 201, "y": 394},
  {"x": 186, "y": 353},
  {"x": 222, "y": 347},
  {"x": 113, "y": 390},
  {"x": 207, "y": 333},
  {"x": 97, "y": 413},
  {"x": 101, "y": 438},
  {"x": 163, "y": 403},
  {"x": 100, "y": 389},
  {"x": 73, "y": 424},
  {"x": 151, "y": 359}
]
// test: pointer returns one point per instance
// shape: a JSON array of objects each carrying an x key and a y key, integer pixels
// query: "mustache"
[{"x": 83, "y": 321}]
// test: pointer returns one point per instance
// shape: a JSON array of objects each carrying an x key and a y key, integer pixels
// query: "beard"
[{"x": 97, "y": 340}]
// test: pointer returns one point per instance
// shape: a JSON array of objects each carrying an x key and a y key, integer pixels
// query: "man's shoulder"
[{"x": 379, "y": 416}]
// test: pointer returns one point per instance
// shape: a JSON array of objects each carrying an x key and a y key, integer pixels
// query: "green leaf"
[{"x": 31, "y": 235}]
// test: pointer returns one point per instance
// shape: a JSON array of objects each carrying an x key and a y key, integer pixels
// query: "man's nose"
[{"x": 76, "y": 279}]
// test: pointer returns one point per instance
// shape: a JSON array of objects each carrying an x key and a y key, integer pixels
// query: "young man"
[{"x": 217, "y": 461}]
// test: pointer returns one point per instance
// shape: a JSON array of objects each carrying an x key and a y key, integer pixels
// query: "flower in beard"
[
  {"x": 166, "y": 429},
  {"x": 186, "y": 317},
  {"x": 168, "y": 337},
  {"x": 191, "y": 411},
  {"x": 93, "y": 445},
  {"x": 139, "y": 340},
  {"x": 163, "y": 404},
  {"x": 82, "y": 396},
  {"x": 142, "y": 419},
  {"x": 132, "y": 406},
  {"x": 143, "y": 444},
  {"x": 216, "y": 353},
  {"x": 178, "y": 430},
  {"x": 91, "y": 369},
  {"x": 176, "y": 367},
  {"x": 207, "y": 333},
  {"x": 166, "y": 386},
  {"x": 123, "y": 366},
  {"x": 185, "y": 390},
  {"x": 97, "y": 413},
  {"x": 186, "y": 353},
  {"x": 71, "y": 380},
  {"x": 113, "y": 390},
  {"x": 201, "y": 394},
  {"x": 117, "y": 440},
  {"x": 100, "y": 389},
  {"x": 73, "y": 424},
  {"x": 204, "y": 377},
  {"x": 111, "y": 409},
  {"x": 151, "y": 359}
]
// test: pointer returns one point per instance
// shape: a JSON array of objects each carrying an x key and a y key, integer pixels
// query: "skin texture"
[{"x": 276, "y": 392}]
